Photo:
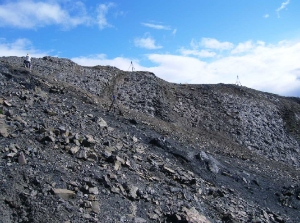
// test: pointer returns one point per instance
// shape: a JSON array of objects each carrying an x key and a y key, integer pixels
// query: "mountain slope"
[{"x": 170, "y": 152}]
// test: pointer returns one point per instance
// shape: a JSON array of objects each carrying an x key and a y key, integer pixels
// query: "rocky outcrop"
[{"x": 169, "y": 153}]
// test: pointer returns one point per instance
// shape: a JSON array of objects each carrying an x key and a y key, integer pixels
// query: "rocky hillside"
[{"x": 164, "y": 152}]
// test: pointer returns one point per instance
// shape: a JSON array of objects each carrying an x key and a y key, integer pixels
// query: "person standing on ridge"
[{"x": 27, "y": 61}]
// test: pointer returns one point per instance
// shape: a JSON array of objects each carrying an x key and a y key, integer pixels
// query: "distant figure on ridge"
[{"x": 27, "y": 61}]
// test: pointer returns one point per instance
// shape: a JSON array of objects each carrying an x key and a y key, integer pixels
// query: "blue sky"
[{"x": 191, "y": 41}]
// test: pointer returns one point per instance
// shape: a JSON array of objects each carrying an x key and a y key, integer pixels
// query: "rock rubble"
[{"x": 169, "y": 153}]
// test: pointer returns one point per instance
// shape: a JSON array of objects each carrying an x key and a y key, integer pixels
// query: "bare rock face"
[{"x": 158, "y": 152}]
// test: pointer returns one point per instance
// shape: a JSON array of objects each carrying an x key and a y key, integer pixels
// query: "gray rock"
[
  {"x": 193, "y": 216},
  {"x": 132, "y": 191},
  {"x": 82, "y": 153},
  {"x": 93, "y": 190},
  {"x": 22, "y": 159},
  {"x": 74, "y": 149},
  {"x": 96, "y": 207},
  {"x": 3, "y": 127},
  {"x": 211, "y": 162},
  {"x": 63, "y": 193},
  {"x": 139, "y": 220},
  {"x": 101, "y": 122}
]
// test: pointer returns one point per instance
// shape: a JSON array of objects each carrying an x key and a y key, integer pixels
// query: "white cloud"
[
  {"x": 101, "y": 17},
  {"x": 177, "y": 69},
  {"x": 121, "y": 63},
  {"x": 101, "y": 59},
  {"x": 266, "y": 16},
  {"x": 283, "y": 6},
  {"x": 147, "y": 42},
  {"x": 243, "y": 47},
  {"x": 20, "y": 47},
  {"x": 205, "y": 48},
  {"x": 211, "y": 43},
  {"x": 197, "y": 53},
  {"x": 29, "y": 14},
  {"x": 156, "y": 26}
]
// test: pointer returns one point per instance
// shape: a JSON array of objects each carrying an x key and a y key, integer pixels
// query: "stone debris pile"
[{"x": 171, "y": 153}]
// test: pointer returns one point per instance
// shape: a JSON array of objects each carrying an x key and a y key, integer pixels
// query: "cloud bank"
[
  {"x": 146, "y": 42},
  {"x": 26, "y": 14},
  {"x": 20, "y": 47}
]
